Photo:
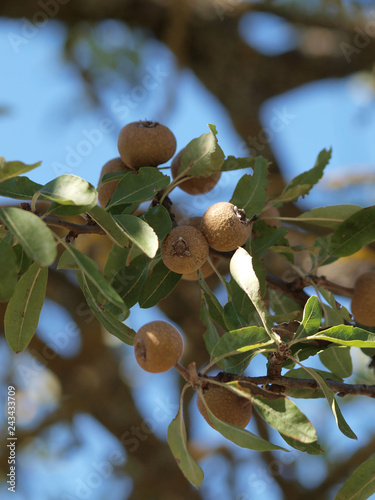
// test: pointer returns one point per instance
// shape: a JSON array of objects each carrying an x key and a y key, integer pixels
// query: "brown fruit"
[
  {"x": 158, "y": 346},
  {"x": 184, "y": 250},
  {"x": 225, "y": 405},
  {"x": 146, "y": 144},
  {"x": 363, "y": 299},
  {"x": 225, "y": 226},
  {"x": 271, "y": 212},
  {"x": 194, "y": 185},
  {"x": 106, "y": 191}
]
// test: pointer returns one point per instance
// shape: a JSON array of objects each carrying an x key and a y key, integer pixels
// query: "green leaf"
[
  {"x": 116, "y": 260},
  {"x": 310, "y": 448},
  {"x": 346, "y": 335},
  {"x": 302, "y": 184},
  {"x": 232, "y": 163},
  {"x": 69, "y": 189},
  {"x": 361, "y": 483},
  {"x": 244, "y": 341},
  {"x": 32, "y": 233},
  {"x": 338, "y": 312},
  {"x": 250, "y": 193},
  {"x": 312, "y": 317},
  {"x": 67, "y": 210},
  {"x": 330, "y": 396},
  {"x": 158, "y": 285},
  {"x": 242, "y": 271},
  {"x": 140, "y": 233},
  {"x": 233, "y": 319},
  {"x": 215, "y": 309},
  {"x": 8, "y": 271},
  {"x": 268, "y": 237},
  {"x": 300, "y": 373},
  {"x": 177, "y": 443},
  {"x": 89, "y": 268},
  {"x": 357, "y": 231},
  {"x": 19, "y": 188},
  {"x": 106, "y": 318},
  {"x": 203, "y": 156},
  {"x": 139, "y": 186},
  {"x": 338, "y": 360},
  {"x": 23, "y": 260},
  {"x": 284, "y": 416},
  {"x": 9, "y": 169},
  {"x": 159, "y": 219},
  {"x": 22, "y": 314},
  {"x": 330, "y": 217},
  {"x": 67, "y": 261},
  {"x": 211, "y": 335},
  {"x": 239, "y": 436},
  {"x": 241, "y": 301},
  {"x": 129, "y": 280},
  {"x": 108, "y": 223}
]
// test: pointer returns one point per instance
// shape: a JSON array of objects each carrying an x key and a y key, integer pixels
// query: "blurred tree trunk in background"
[{"x": 203, "y": 35}]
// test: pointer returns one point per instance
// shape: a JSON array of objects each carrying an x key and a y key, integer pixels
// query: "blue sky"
[{"x": 48, "y": 120}]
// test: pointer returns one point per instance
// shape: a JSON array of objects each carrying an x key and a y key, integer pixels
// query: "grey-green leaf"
[
  {"x": 69, "y": 189},
  {"x": 347, "y": 335},
  {"x": 232, "y": 163},
  {"x": 139, "y": 186},
  {"x": 9, "y": 169},
  {"x": 312, "y": 317},
  {"x": 32, "y": 233},
  {"x": 19, "y": 188},
  {"x": 177, "y": 444},
  {"x": 361, "y": 483},
  {"x": 330, "y": 217},
  {"x": 158, "y": 285},
  {"x": 338, "y": 360},
  {"x": 159, "y": 219},
  {"x": 139, "y": 232},
  {"x": 23, "y": 310},
  {"x": 8, "y": 271},
  {"x": 114, "y": 231}
]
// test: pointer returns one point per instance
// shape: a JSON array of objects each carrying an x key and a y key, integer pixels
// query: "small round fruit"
[
  {"x": 225, "y": 405},
  {"x": 106, "y": 191},
  {"x": 363, "y": 299},
  {"x": 194, "y": 185},
  {"x": 225, "y": 226},
  {"x": 184, "y": 250},
  {"x": 158, "y": 346},
  {"x": 271, "y": 212},
  {"x": 146, "y": 144}
]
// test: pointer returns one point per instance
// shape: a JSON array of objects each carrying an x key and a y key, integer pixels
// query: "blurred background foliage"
[{"x": 278, "y": 78}]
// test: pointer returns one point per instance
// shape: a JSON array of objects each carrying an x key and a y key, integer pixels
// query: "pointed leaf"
[
  {"x": 159, "y": 219},
  {"x": 330, "y": 217},
  {"x": 233, "y": 163},
  {"x": 69, "y": 189},
  {"x": 361, "y": 484},
  {"x": 8, "y": 271},
  {"x": 129, "y": 280},
  {"x": 312, "y": 317},
  {"x": 9, "y": 169},
  {"x": 20, "y": 188},
  {"x": 338, "y": 360},
  {"x": 35, "y": 237},
  {"x": 139, "y": 232},
  {"x": 211, "y": 335},
  {"x": 22, "y": 314},
  {"x": 158, "y": 285},
  {"x": 310, "y": 448},
  {"x": 110, "y": 226},
  {"x": 139, "y": 186},
  {"x": 214, "y": 307},
  {"x": 177, "y": 444},
  {"x": 356, "y": 232},
  {"x": 346, "y": 335},
  {"x": 250, "y": 193}
]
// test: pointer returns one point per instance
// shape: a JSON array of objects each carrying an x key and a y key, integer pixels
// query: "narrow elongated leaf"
[
  {"x": 35, "y": 237},
  {"x": 284, "y": 416},
  {"x": 68, "y": 210},
  {"x": 312, "y": 317},
  {"x": 330, "y": 217},
  {"x": 346, "y": 335},
  {"x": 239, "y": 436},
  {"x": 242, "y": 271},
  {"x": 302, "y": 184},
  {"x": 139, "y": 186},
  {"x": 330, "y": 396},
  {"x": 140, "y": 233},
  {"x": 361, "y": 483},
  {"x": 158, "y": 285},
  {"x": 310, "y": 448},
  {"x": 300, "y": 373},
  {"x": 110, "y": 226},
  {"x": 8, "y": 271},
  {"x": 159, "y": 219},
  {"x": 129, "y": 280},
  {"x": 177, "y": 443},
  {"x": 106, "y": 318},
  {"x": 232, "y": 163},
  {"x": 203, "y": 156},
  {"x": 214, "y": 307},
  {"x": 267, "y": 237},
  {"x": 357, "y": 231},
  {"x": 89, "y": 268},
  {"x": 211, "y": 335},
  {"x": 69, "y": 189},
  {"x": 233, "y": 319},
  {"x": 9, "y": 169},
  {"x": 20, "y": 188},
  {"x": 250, "y": 193},
  {"x": 338, "y": 360},
  {"x": 22, "y": 313},
  {"x": 116, "y": 260}
]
